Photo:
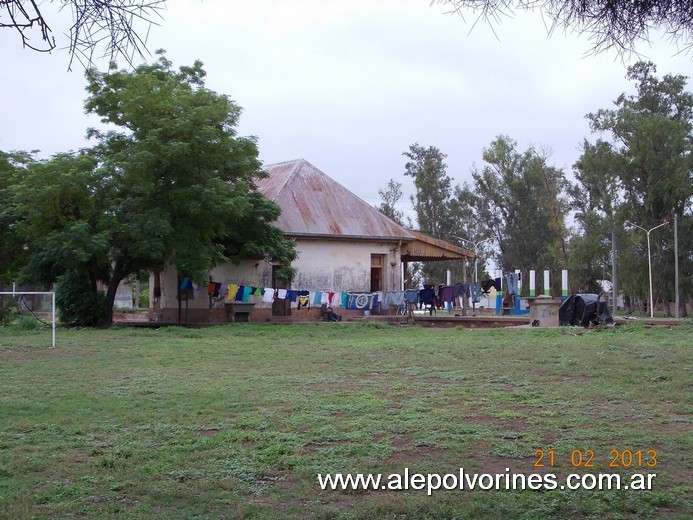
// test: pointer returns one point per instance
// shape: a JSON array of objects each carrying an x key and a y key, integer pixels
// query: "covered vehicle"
[{"x": 584, "y": 310}]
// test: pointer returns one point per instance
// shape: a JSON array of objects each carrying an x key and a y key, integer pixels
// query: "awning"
[{"x": 426, "y": 249}]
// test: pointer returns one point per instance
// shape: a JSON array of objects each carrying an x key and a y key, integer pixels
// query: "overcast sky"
[{"x": 349, "y": 86}]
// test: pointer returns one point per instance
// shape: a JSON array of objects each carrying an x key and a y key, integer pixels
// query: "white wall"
[{"x": 321, "y": 266}]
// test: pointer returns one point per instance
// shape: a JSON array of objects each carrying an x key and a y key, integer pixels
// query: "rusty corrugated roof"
[
  {"x": 313, "y": 204},
  {"x": 426, "y": 248}
]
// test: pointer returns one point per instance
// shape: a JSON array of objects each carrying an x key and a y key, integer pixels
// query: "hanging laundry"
[
  {"x": 245, "y": 297},
  {"x": 475, "y": 292},
  {"x": 361, "y": 301},
  {"x": 427, "y": 296},
  {"x": 412, "y": 296},
  {"x": 232, "y": 291},
  {"x": 397, "y": 298},
  {"x": 487, "y": 285},
  {"x": 281, "y": 294},
  {"x": 317, "y": 300},
  {"x": 385, "y": 301},
  {"x": 268, "y": 297},
  {"x": 213, "y": 289},
  {"x": 512, "y": 283},
  {"x": 447, "y": 293},
  {"x": 303, "y": 298}
]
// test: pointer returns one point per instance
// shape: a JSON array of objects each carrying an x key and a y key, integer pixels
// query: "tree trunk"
[
  {"x": 666, "y": 307},
  {"x": 683, "y": 308},
  {"x": 116, "y": 277}
]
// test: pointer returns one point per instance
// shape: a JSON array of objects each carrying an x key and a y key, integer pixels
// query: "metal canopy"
[{"x": 426, "y": 249}]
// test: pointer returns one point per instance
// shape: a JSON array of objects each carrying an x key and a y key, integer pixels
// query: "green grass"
[{"x": 237, "y": 421}]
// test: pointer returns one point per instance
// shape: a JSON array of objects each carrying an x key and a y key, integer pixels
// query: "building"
[{"x": 343, "y": 244}]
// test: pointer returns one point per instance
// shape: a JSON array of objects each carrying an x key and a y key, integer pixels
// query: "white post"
[
  {"x": 676, "y": 263},
  {"x": 532, "y": 283},
  {"x": 649, "y": 268},
  {"x": 53, "y": 309},
  {"x": 547, "y": 283},
  {"x": 564, "y": 283}
]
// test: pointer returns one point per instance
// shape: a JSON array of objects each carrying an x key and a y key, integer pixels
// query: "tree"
[
  {"x": 649, "y": 156},
  {"x": 390, "y": 197},
  {"x": 11, "y": 250},
  {"x": 520, "y": 198},
  {"x": 110, "y": 23},
  {"x": 169, "y": 182},
  {"x": 618, "y": 24},
  {"x": 594, "y": 199},
  {"x": 433, "y": 191}
]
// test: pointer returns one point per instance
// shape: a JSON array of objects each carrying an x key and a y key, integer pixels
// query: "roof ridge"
[{"x": 295, "y": 168}]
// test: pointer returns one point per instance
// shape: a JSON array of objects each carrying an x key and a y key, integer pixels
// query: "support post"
[
  {"x": 547, "y": 283},
  {"x": 564, "y": 284},
  {"x": 676, "y": 263},
  {"x": 532, "y": 283},
  {"x": 614, "y": 285}
]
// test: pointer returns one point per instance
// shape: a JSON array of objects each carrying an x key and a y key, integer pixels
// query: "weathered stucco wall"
[
  {"x": 321, "y": 266},
  {"x": 343, "y": 266}
]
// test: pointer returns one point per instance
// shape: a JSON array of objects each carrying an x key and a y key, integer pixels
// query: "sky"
[{"x": 349, "y": 86}]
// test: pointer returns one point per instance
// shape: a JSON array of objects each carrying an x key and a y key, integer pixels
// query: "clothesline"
[{"x": 358, "y": 300}]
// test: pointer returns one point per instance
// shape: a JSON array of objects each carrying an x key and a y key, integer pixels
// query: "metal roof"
[{"x": 315, "y": 205}]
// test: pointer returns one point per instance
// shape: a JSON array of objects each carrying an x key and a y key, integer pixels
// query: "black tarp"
[{"x": 583, "y": 310}]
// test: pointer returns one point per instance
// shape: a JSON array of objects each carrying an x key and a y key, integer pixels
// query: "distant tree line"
[{"x": 639, "y": 169}]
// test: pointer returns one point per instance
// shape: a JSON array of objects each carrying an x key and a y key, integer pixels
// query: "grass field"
[{"x": 237, "y": 421}]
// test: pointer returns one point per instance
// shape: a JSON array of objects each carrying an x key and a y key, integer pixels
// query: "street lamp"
[
  {"x": 649, "y": 258},
  {"x": 476, "y": 257}
]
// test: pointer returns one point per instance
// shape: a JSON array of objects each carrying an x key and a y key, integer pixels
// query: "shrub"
[{"x": 78, "y": 303}]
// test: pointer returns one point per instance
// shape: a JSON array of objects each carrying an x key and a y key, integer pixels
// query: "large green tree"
[
  {"x": 520, "y": 198},
  {"x": 647, "y": 153},
  {"x": 168, "y": 181},
  {"x": 427, "y": 168},
  {"x": 594, "y": 202},
  {"x": 390, "y": 197}
]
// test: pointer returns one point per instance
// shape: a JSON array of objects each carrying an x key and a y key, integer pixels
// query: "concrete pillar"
[
  {"x": 547, "y": 283},
  {"x": 532, "y": 283},
  {"x": 564, "y": 283}
]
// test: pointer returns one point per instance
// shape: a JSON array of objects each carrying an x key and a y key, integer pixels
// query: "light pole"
[
  {"x": 649, "y": 257},
  {"x": 476, "y": 257}
]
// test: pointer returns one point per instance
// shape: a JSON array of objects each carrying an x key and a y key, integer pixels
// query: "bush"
[
  {"x": 9, "y": 310},
  {"x": 79, "y": 305},
  {"x": 29, "y": 323}
]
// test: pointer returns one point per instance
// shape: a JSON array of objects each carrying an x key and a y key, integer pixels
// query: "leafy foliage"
[
  {"x": 642, "y": 171},
  {"x": 167, "y": 182},
  {"x": 79, "y": 305},
  {"x": 520, "y": 198},
  {"x": 390, "y": 197}
]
